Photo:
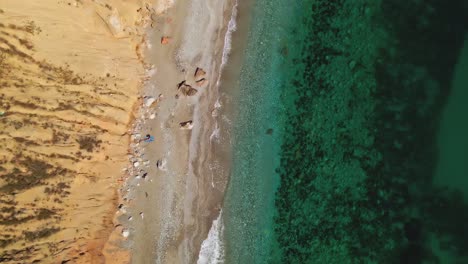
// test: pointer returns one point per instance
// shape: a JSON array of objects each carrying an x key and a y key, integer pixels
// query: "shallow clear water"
[
  {"x": 335, "y": 141},
  {"x": 249, "y": 204}
]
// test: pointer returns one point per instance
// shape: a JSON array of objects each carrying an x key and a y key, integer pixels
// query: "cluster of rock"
[
  {"x": 138, "y": 164},
  {"x": 186, "y": 89},
  {"x": 200, "y": 81}
]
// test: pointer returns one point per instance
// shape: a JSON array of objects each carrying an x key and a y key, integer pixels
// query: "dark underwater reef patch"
[{"x": 359, "y": 149}]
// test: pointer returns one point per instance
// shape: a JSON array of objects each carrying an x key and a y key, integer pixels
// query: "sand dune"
[{"x": 70, "y": 73}]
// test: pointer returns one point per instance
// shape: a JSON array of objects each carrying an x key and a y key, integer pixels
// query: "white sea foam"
[
  {"x": 212, "y": 248},
  {"x": 232, "y": 26},
  {"x": 215, "y": 133}
]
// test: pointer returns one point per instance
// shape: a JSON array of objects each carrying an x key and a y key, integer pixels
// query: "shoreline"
[
  {"x": 214, "y": 246},
  {"x": 171, "y": 208}
]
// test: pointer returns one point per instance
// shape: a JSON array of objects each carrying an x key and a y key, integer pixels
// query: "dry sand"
[
  {"x": 179, "y": 200},
  {"x": 70, "y": 73},
  {"x": 76, "y": 182}
]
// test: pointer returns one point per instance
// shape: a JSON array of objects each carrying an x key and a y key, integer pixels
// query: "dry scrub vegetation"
[{"x": 65, "y": 105}]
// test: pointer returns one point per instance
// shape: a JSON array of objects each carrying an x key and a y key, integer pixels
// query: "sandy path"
[{"x": 180, "y": 201}]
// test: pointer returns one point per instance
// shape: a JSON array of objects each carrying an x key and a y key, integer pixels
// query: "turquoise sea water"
[
  {"x": 249, "y": 204},
  {"x": 341, "y": 153}
]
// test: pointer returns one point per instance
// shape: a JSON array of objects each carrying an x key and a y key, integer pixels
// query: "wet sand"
[{"x": 168, "y": 211}]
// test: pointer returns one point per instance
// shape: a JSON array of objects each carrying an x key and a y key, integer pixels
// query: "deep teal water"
[{"x": 353, "y": 94}]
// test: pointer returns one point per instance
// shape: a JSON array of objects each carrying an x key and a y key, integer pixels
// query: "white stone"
[
  {"x": 136, "y": 164},
  {"x": 161, "y": 164},
  {"x": 149, "y": 101},
  {"x": 125, "y": 233}
]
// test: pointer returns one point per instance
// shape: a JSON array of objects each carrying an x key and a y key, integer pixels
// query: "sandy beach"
[
  {"x": 176, "y": 183},
  {"x": 83, "y": 82}
]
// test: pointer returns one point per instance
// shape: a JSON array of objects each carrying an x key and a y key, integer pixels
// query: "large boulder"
[
  {"x": 199, "y": 72},
  {"x": 186, "y": 124},
  {"x": 186, "y": 89}
]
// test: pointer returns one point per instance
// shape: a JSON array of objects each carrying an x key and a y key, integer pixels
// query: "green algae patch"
[{"x": 358, "y": 153}]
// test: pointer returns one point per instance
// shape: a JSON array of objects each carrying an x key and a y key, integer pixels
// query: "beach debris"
[
  {"x": 144, "y": 175},
  {"x": 136, "y": 136},
  {"x": 142, "y": 215},
  {"x": 161, "y": 164},
  {"x": 199, "y": 72},
  {"x": 165, "y": 40},
  {"x": 149, "y": 138},
  {"x": 136, "y": 164},
  {"x": 130, "y": 218},
  {"x": 186, "y": 89},
  {"x": 180, "y": 84},
  {"x": 125, "y": 233},
  {"x": 150, "y": 72},
  {"x": 152, "y": 116},
  {"x": 186, "y": 125},
  {"x": 201, "y": 82},
  {"x": 149, "y": 100}
]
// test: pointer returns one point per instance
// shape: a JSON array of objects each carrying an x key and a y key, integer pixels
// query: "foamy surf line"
[
  {"x": 232, "y": 26},
  {"x": 212, "y": 248}
]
